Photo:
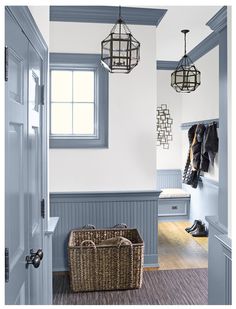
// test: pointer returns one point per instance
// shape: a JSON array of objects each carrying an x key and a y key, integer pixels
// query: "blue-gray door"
[
  {"x": 23, "y": 223},
  {"x": 17, "y": 207}
]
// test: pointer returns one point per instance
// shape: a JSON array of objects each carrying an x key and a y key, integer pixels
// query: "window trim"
[{"x": 84, "y": 62}]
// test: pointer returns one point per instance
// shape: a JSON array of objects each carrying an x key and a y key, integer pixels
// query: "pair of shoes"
[
  {"x": 198, "y": 229},
  {"x": 195, "y": 224}
]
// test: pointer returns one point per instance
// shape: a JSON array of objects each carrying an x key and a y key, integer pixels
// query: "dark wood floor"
[{"x": 164, "y": 287}]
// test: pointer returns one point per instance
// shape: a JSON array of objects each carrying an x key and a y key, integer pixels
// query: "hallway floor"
[
  {"x": 178, "y": 249},
  {"x": 167, "y": 287}
]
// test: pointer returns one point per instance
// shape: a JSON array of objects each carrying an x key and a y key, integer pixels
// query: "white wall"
[
  {"x": 170, "y": 158},
  {"x": 203, "y": 103},
  {"x": 130, "y": 161},
  {"x": 41, "y": 17}
]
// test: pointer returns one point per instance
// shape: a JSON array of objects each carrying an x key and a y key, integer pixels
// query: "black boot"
[
  {"x": 200, "y": 231},
  {"x": 196, "y": 222}
]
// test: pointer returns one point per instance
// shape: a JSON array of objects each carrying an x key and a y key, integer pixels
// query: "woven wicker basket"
[{"x": 95, "y": 267}]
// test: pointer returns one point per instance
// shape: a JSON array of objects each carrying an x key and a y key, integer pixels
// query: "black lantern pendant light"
[
  {"x": 120, "y": 50},
  {"x": 186, "y": 78}
]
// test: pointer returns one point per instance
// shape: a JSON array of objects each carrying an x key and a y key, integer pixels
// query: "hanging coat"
[
  {"x": 203, "y": 147},
  {"x": 211, "y": 142},
  {"x": 188, "y": 176},
  {"x": 196, "y": 146}
]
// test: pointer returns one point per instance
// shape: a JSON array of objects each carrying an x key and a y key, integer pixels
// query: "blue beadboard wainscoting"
[
  {"x": 169, "y": 178},
  {"x": 105, "y": 209}
]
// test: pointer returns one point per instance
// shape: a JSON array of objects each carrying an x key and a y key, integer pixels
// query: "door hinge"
[
  {"x": 43, "y": 208},
  {"x": 42, "y": 94},
  {"x": 6, "y": 264},
  {"x": 6, "y": 63}
]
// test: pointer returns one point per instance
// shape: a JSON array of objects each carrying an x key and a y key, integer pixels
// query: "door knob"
[
  {"x": 34, "y": 258},
  {"x": 39, "y": 253}
]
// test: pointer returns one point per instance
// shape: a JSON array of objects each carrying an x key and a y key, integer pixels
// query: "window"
[{"x": 78, "y": 101}]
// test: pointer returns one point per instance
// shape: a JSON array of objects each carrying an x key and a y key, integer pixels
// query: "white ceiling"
[{"x": 170, "y": 40}]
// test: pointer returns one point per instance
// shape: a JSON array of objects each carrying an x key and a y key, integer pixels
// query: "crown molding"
[
  {"x": 166, "y": 65},
  {"x": 106, "y": 14},
  {"x": 219, "y": 20}
]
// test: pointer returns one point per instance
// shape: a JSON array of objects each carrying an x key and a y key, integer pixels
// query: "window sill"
[{"x": 78, "y": 143}]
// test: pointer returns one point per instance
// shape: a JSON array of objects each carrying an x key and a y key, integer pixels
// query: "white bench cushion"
[{"x": 173, "y": 193}]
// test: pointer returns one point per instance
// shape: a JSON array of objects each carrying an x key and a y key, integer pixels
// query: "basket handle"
[
  {"x": 89, "y": 227},
  {"x": 89, "y": 242},
  {"x": 118, "y": 263},
  {"x": 120, "y": 226},
  {"x": 95, "y": 276},
  {"x": 122, "y": 241}
]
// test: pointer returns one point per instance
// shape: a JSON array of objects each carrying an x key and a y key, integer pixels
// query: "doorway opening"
[{"x": 190, "y": 192}]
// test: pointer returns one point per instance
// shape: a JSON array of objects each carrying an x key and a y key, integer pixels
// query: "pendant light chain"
[
  {"x": 119, "y": 30},
  {"x": 185, "y": 43}
]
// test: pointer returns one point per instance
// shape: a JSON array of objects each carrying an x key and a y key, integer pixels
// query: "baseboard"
[
  {"x": 173, "y": 218},
  {"x": 60, "y": 273},
  {"x": 155, "y": 265}
]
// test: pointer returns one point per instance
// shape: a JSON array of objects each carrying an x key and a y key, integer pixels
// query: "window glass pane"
[
  {"x": 83, "y": 118},
  {"x": 83, "y": 86},
  {"x": 61, "y": 118},
  {"x": 61, "y": 86}
]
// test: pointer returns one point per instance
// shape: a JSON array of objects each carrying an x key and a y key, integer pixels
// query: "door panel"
[
  {"x": 16, "y": 211},
  {"x": 20, "y": 299}
]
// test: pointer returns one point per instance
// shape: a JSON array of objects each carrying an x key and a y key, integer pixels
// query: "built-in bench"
[{"x": 174, "y": 202}]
